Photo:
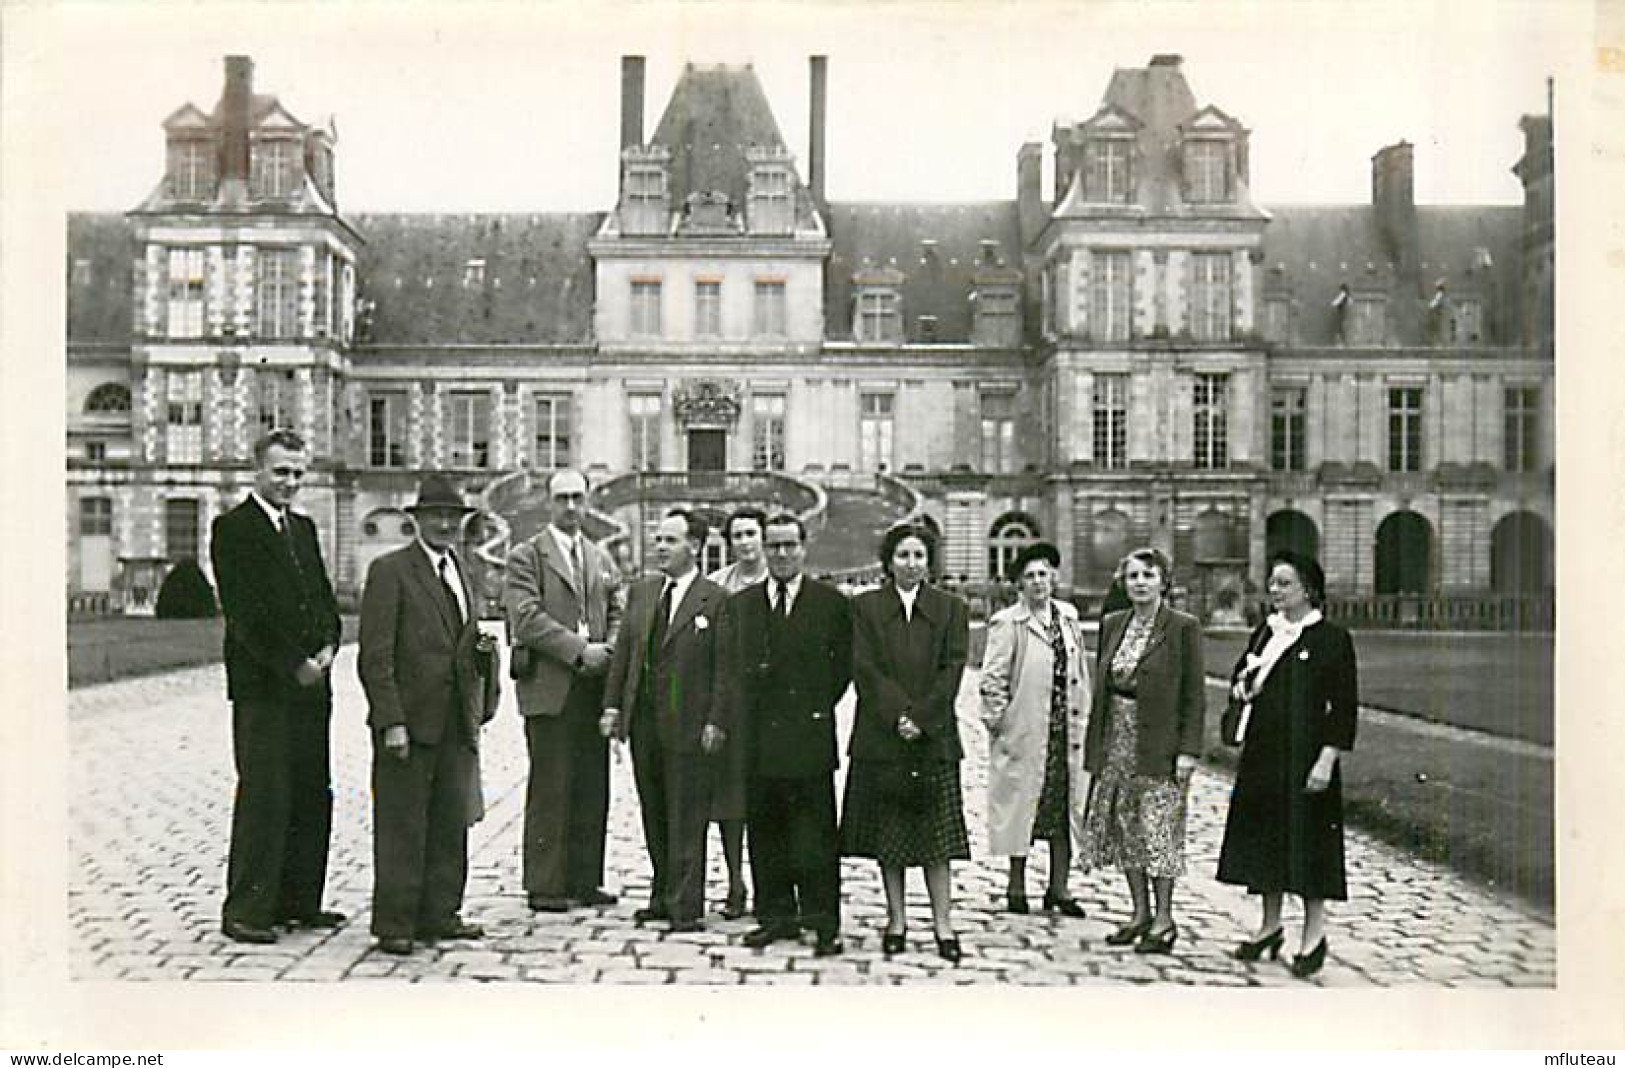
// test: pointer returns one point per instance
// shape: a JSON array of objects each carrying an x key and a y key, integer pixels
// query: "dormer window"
[
  {"x": 191, "y": 170},
  {"x": 878, "y": 318},
  {"x": 645, "y": 187},
  {"x": 474, "y": 273},
  {"x": 1106, "y": 178},
  {"x": 770, "y": 208},
  {"x": 275, "y": 168},
  {"x": 1207, "y": 171}
]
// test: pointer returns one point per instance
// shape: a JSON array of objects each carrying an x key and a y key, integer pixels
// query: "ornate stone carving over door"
[{"x": 708, "y": 403}]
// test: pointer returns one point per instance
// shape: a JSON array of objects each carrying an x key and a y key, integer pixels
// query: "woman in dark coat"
[
  {"x": 1284, "y": 833},
  {"x": 903, "y": 806},
  {"x": 1142, "y": 743}
]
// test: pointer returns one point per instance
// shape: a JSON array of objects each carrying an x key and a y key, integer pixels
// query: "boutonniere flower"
[
  {"x": 1303, "y": 654},
  {"x": 700, "y": 622}
]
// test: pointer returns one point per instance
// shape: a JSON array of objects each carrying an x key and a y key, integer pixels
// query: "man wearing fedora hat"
[{"x": 431, "y": 683}]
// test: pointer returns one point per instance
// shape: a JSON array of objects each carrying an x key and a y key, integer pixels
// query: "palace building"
[{"x": 1149, "y": 357}]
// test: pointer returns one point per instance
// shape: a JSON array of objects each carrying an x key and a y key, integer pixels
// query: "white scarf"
[{"x": 1284, "y": 634}]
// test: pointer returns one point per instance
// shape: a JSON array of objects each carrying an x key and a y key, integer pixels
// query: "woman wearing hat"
[
  {"x": 1143, "y": 742},
  {"x": 1035, "y": 703},
  {"x": 1300, "y": 688}
]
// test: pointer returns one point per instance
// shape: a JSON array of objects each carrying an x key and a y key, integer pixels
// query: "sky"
[{"x": 510, "y": 107}]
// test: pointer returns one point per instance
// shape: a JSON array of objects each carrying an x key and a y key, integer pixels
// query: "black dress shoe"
[
  {"x": 1128, "y": 934},
  {"x": 455, "y": 931},
  {"x": 1255, "y": 949},
  {"x": 1306, "y": 964},
  {"x": 543, "y": 903},
  {"x": 948, "y": 949},
  {"x": 594, "y": 897},
  {"x": 1065, "y": 904},
  {"x": 399, "y": 947},
  {"x": 685, "y": 926},
  {"x": 734, "y": 907},
  {"x": 247, "y": 932},
  {"x": 316, "y": 921},
  {"x": 767, "y": 934},
  {"x": 1161, "y": 942},
  {"x": 829, "y": 945},
  {"x": 652, "y": 914},
  {"x": 1016, "y": 903},
  {"x": 891, "y": 944}
]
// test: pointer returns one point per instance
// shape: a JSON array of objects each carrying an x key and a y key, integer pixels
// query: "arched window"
[
  {"x": 1010, "y": 534},
  {"x": 109, "y": 397}
]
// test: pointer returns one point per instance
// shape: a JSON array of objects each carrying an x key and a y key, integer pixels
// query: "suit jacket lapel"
[
  {"x": 687, "y": 609},
  {"x": 1109, "y": 645},
  {"x": 1159, "y": 631},
  {"x": 429, "y": 585},
  {"x": 276, "y": 543},
  {"x": 551, "y": 553}
]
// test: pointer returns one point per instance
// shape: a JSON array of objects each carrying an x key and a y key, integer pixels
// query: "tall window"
[
  {"x": 181, "y": 528},
  {"x": 276, "y": 399},
  {"x": 1405, "y": 428},
  {"x": 1206, "y": 172},
  {"x": 1111, "y": 421},
  {"x": 769, "y": 316},
  {"x": 191, "y": 170},
  {"x": 386, "y": 429},
  {"x": 553, "y": 431},
  {"x": 879, "y": 318},
  {"x": 708, "y": 308},
  {"x": 1210, "y": 415},
  {"x": 1287, "y": 428},
  {"x": 184, "y": 417},
  {"x": 274, "y": 168},
  {"x": 1467, "y": 321},
  {"x": 278, "y": 292},
  {"x": 646, "y": 307},
  {"x": 770, "y": 200},
  {"x": 468, "y": 428},
  {"x": 1522, "y": 420},
  {"x": 1210, "y": 296},
  {"x": 767, "y": 433},
  {"x": 1370, "y": 323},
  {"x": 322, "y": 293},
  {"x": 1105, "y": 175},
  {"x": 645, "y": 186},
  {"x": 1110, "y": 297},
  {"x": 999, "y": 432},
  {"x": 95, "y": 517},
  {"x": 185, "y": 292},
  {"x": 644, "y": 409},
  {"x": 875, "y": 430}
]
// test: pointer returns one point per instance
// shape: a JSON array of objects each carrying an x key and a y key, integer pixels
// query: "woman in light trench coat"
[{"x": 1035, "y": 703}]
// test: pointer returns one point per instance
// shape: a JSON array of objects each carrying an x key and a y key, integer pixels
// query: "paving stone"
[{"x": 639, "y": 976}]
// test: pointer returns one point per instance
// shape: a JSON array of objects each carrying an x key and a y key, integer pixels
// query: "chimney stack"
[
  {"x": 1393, "y": 197},
  {"x": 631, "y": 101},
  {"x": 236, "y": 101},
  {"x": 819, "y": 69},
  {"x": 1030, "y": 191}
]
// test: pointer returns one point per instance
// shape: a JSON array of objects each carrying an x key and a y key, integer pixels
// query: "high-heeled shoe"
[
  {"x": 733, "y": 907},
  {"x": 1128, "y": 934},
  {"x": 1158, "y": 943},
  {"x": 1306, "y": 964},
  {"x": 1016, "y": 903},
  {"x": 1270, "y": 943},
  {"x": 948, "y": 949},
  {"x": 891, "y": 944},
  {"x": 1065, "y": 904}
]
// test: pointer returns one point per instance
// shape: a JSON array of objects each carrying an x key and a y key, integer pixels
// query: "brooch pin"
[
  {"x": 701, "y": 623},
  {"x": 1303, "y": 654}
]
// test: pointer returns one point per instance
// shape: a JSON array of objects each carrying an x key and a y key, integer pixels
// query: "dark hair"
[
  {"x": 785, "y": 519},
  {"x": 698, "y": 528},
  {"x": 283, "y": 436},
  {"x": 1309, "y": 573},
  {"x": 749, "y": 511},
  {"x": 1038, "y": 550},
  {"x": 897, "y": 534},
  {"x": 1152, "y": 556}
]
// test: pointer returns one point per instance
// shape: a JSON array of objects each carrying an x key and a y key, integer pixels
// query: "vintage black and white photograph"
[{"x": 817, "y": 495}]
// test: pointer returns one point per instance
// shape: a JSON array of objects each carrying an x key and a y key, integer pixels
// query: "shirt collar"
[
  {"x": 435, "y": 555},
  {"x": 567, "y": 542},
  {"x": 680, "y": 584},
  {"x": 272, "y": 512},
  {"x": 792, "y": 587}
]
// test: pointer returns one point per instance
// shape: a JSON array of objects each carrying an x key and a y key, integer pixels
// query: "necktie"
[
  {"x": 448, "y": 583},
  {"x": 781, "y": 601},
  {"x": 657, "y": 636},
  {"x": 576, "y": 566},
  {"x": 285, "y": 528}
]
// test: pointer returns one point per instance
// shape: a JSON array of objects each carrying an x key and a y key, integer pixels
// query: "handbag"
[{"x": 1233, "y": 723}]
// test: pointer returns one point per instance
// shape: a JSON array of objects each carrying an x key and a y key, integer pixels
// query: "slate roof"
[
  {"x": 716, "y": 113},
  {"x": 936, "y": 282},
  {"x": 99, "y": 309},
  {"x": 537, "y": 286},
  {"x": 1319, "y": 248}
]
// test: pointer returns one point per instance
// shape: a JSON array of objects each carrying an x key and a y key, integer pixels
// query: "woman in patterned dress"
[
  {"x": 903, "y": 806},
  {"x": 1143, "y": 742},
  {"x": 1035, "y": 703}
]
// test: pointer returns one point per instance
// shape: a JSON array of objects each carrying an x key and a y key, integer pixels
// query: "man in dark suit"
[
  {"x": 787, "y": 659},
  {"x": 562, "y": 620},
  {"x": 431, "y": 684},
  {"x": 659, "y": 693},
  {"x": 282, "y": 631}
]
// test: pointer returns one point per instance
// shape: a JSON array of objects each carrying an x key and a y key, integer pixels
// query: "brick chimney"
[
  {"x": 236, "y": 102},
  {"x": 631, "y": 101},
  {"x": 1030, "y": 191},
  {"x": 818, "y": 70},
  {"x": 1393, "y": 197}
]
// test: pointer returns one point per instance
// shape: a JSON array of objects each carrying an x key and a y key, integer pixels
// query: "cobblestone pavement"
[{"x": 151, "y": 783}]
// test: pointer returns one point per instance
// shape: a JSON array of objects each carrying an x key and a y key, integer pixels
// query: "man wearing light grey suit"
[{"x": 562, "y": 620}]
